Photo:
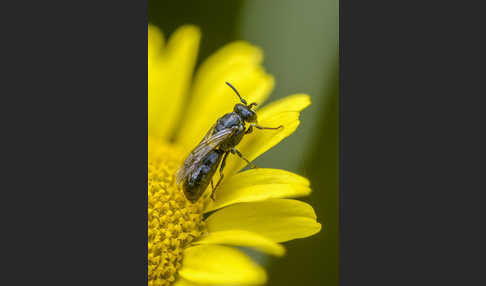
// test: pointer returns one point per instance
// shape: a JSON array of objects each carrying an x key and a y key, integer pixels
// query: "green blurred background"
[{"x": 300, "y": 42}]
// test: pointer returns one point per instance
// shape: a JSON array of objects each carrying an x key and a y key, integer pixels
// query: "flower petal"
[
  {"x": 183, "y": 282},
  {"x": 278, "y": 219},
  {"x": 244, "y": 238},
  {"x": 215, "y": 264},
  {"x": 237, "y": 63},
  {"x": 257, "y": 185},
  {"x": 155, "y": 42},
  {"x": 169, "y": 75},
  {"x": 284, "y": 112}
]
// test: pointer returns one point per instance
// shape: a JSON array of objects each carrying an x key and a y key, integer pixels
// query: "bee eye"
[
  {"x": 245, "y": 112},
  {"x": 240, "y": 109},
  {"x": 252, "y": 117}
]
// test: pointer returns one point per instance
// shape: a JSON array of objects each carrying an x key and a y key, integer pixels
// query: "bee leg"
[
  {"x": 262, "y": 127},
  {"x": 234, "y": 151},
  {"x": 249, "y": 130},
  {"x": 221, "y": 175},
  {"x": 212, "y": 190}
]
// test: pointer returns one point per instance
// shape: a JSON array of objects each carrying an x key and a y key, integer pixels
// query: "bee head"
[{"x": 245, "y": 112}]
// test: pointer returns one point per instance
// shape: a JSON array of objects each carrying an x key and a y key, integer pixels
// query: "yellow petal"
[
  {"x": 155, "y": 42},
  {"x": 278, "y": 219},
  {"x": 169, "y": 76},
  {"x": 244, "y": 238},
  {"x": 284, "y": 112},
  {"x": 183, "y": 282},
  {"x": 257, "y": 185},
  {"x": 215, "y": 264},
  {"x": 237, "y": 63}
]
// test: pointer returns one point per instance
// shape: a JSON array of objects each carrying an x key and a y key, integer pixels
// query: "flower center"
[{"x": 173, "y": 222}]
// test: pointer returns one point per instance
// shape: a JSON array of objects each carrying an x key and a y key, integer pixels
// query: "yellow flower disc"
[{"x": 173, "y": 222}]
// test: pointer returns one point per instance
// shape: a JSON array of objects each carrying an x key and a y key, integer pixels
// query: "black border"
[
  {"x": 412, "y": 147},
  {"x": 74, "y": 149}
]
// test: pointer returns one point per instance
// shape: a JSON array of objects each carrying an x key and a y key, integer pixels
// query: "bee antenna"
[{"x": 233, "y": 88}]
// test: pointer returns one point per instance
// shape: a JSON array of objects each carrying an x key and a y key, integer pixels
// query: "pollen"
[{"x": 173, "y": 222}]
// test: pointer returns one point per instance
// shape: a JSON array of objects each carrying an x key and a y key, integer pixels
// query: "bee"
[{"x": 200, "y": 166}]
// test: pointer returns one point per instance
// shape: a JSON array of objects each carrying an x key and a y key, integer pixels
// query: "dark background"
[{"x": 300, "y": 44}]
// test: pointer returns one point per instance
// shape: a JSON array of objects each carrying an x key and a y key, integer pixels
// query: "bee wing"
[
  {"x": 209, "y": 142},
  {"x": 190, "y": 164}
]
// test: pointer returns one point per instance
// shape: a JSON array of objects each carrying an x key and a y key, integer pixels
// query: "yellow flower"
[{"x": 186, "y": 246}]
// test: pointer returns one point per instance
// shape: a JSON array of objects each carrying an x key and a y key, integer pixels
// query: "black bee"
[{"x": 198, "y": 169}]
